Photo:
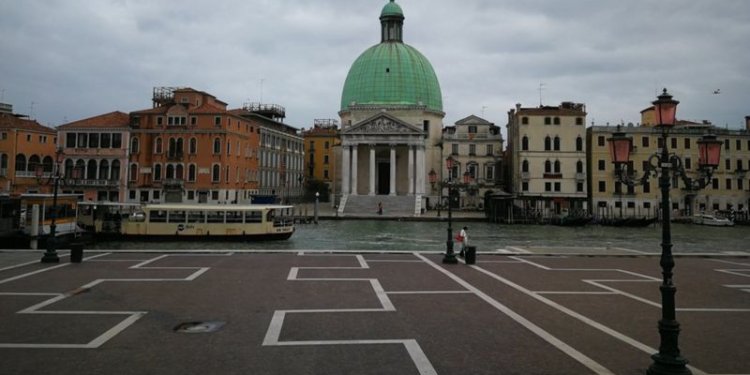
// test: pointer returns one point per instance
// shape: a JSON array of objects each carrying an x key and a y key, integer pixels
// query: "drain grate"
[{"x": 199, "y": 327}]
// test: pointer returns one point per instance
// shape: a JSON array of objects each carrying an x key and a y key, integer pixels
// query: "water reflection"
[{"x": 431, "y": 236}]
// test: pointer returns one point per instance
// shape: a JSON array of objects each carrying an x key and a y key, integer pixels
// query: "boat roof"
[
  {"x": 212, "y": 207},
  {"x": 108, "y": 203}
]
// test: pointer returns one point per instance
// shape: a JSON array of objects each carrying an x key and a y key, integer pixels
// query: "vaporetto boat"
[{"x": 230, "y": 222}]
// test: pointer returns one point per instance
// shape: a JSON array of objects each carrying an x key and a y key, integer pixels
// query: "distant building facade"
[
  {"x": 96, "y": 153},
  {"x": 27, "y": 154},
  {"x": 729, "y": 188},
  {"x": 190, "y": 148},
  {"x": 547, "y": 158},
  {"x": 476, "y": 147},
  {"x": 321, "y": 141}
]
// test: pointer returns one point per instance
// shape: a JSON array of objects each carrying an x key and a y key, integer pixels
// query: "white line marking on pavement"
[
  {"x": 546, "y": 336},
  {"x": 273, "y": 334}
]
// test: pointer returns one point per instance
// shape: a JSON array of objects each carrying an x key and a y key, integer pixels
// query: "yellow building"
[
  {"x": 728, "y": 190},
  {"x": 320, "y": 140}
]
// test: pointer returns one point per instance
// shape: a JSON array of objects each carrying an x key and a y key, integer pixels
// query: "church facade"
[{"x": 391, "y": 120}]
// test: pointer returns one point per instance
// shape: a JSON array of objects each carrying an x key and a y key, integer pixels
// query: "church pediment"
[{"x": 383, "y": 124}]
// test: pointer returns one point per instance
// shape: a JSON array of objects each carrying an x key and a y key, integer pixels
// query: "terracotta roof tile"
[
  {"x": 115, "y": 119},
  {"x": 8, "y": 121}
]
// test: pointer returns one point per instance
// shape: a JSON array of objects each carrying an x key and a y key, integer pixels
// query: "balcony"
[
  {"x": 525, "y": 176},
  {"x": 175, "y": 155},
  {"x": 91, "y": 182},
  {"x": 580, "y": 177},
  {"x": 553, "y": 175},
  {"x": 174, "y": 183}
]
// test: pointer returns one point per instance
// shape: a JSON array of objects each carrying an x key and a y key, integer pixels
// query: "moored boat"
[
  {"x": 188, "y": 221},
  {"x": 705, "y": 219}
]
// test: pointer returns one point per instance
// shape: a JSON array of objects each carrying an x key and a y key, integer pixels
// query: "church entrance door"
[{"x": 384, "y": 178}]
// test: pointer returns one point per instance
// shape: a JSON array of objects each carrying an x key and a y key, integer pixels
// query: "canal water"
[{"x": 431, "y": 236}]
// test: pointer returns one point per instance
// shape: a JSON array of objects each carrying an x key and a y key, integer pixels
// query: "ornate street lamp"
[
  {"x": 668, "y": 360},
  {"x": 50, "y": 256},
  {"x": 450, "y": 256}
]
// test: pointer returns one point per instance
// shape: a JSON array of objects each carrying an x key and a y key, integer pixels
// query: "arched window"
[
  {"x": 579, "y": 167},
  {"x": 157, "y": 172},
  {"x": 525, "y": 166},
  {"x": 172, "y": 148},
  {"x": 179, "y": 172},
  {"x": 525, "y": 143},
  {"x": 180, "y": 147},
  {"x": 547, "y": 143},
  {"x": 193, "y": 146},
  {"x": 557, "y": 166},
  {"x": 115, "y": 173},
  {"x": 33, "y": 163},
  {"x": 104, "y": 170},
  {"x": 215, "y": 173},
  {"x": 158, "y": 146},
  {"x": 91, "y": 170},
  {"x": 4, "y": 162},
  {"x": 170, "y": 171},
  {"x": 20, "y": 163},
  {"x": 217, "y": 145},
  {"x": 68, "y": 170},
  {"x": 191, "y": 172},
  {"x": 579, "y": 144},
  {"x": 135, "y": 145},
  {"x": 547, "y": 166},
  {"x": 557, "y": 143},
  {"x": 47, "y": 164},
  {"x": 133, "y": 175}
]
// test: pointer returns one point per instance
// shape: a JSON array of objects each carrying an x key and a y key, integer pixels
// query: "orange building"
[
  {"x": 95, "y": 150},
  {"x": 189, "y": 148},
  {"x": 320, "y": 142},
  {"x": 27, "y": 154}
]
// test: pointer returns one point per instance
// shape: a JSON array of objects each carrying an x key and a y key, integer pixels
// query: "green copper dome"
[
  {"x": 391, "y": 9},
  {"x": 392, "y": 73}
]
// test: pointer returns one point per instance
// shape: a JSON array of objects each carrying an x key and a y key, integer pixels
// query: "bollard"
[
  {"x": 471, "y": 255},
  {"x": 76, "y": 252}
]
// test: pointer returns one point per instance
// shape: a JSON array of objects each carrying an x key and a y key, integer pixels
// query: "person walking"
[
  {"x": 464, "y": 240},
  {"x": 380, "y": 208}
]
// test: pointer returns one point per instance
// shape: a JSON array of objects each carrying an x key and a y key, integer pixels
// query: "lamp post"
[
  {"x": 317, "y": 197},
  {"x": 50, "y": 256},
  {"x": 450, "y": 256},
  {"x": 668, "y": 360}
]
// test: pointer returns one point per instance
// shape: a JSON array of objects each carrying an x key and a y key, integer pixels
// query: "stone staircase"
[{"x": 393, "y": 206}]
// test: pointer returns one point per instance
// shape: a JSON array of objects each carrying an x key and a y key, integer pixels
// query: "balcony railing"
[
  {"x": 580, "y": 176},
  {"x": 553, "y": 175},
  {"x": 91, "y": 182}
]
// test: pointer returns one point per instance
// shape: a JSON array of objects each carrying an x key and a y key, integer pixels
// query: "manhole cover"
[{"x": 199, "y": 327}]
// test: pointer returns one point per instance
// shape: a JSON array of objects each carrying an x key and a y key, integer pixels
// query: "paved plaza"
[{"x": 364, "y": 313}]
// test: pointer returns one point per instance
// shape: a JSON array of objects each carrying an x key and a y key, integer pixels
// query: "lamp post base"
[
  {"x": 450, "y": 256},
  {"x": 50, "y": 256},
  {"x": 668, "y": 366}
]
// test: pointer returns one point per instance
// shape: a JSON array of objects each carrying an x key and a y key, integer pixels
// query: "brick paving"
[{"x": 298, "y": 313}]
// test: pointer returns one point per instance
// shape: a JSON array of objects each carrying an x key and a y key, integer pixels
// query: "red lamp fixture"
[
  {"x": 709, "y": 151},
  {"x": 665, "y": 109}
]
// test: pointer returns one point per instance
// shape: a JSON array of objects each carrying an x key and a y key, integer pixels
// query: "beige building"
[
  {"x": 728, "y": 190},
  {"x": 546, "y": 158},
  {"x": 475, "y": 145}
]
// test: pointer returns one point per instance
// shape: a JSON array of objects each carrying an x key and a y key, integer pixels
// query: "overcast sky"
[{"x": 75, "y": 59}]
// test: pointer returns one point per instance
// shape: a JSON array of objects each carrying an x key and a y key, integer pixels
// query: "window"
[
  {"x": 217, "y": 145},
  {"x": 489, "y": 150},
  {"x": 726, "y": 144},
  {"x": 600, "y": 141},
  {"x": 740, "y": 185},
  {"x": 728, "y": 164},
  {"x": 557, "y": 186},
  {"x": 229, "y": 148},
  {"x": 547, "y": 166},
  {"x": 687, "y": 143},
  {"x": 524, "y": 120},
  {"x": 191, "y": 172},
  {"x": 94, "y": 140},
  {"x": 579, "y": 167},
  {"x": 547, "y": 186},
  {"x": 602, "y": 165},
  {"x": 715, "y": 183},
  {"x": 525, "y": 143},
  {"x": 489, "y": 172},
  {"x": 217, "y": 121},
  {"x": 193, "y": 120},
  {"x": 557, "y": 143},
  {"x": 454, "y": 149},
  {"x": 157, "y": 172},
  {"x": 579, "y": 144},
  {"x": 579, "y": 187},
  {"x": 472, "y": 129},
  {"x": 739, "y": 145},
  {"x": 70, "y": 140},
  {"x": 674, "y": 142},
  {"x": 728, "y": 183},
  {"x": 326, "y": 145},
  {"x": 644, "y": 141},
  {"x": 547, "y": 121},
  {"x": 158, "y": 146},
  {"x": 116, "y": 140},
  {"x": 579, "y": 120},
  {"x": 426, "y": 126},
  {"x": 557, "y": 120},
  {"x": 547, "y": 143},
  {"x": 557, "y": 166},
  {"x": 525, "y": 166},
  {"x": 133, "y": 175},
  {"x": 472, "y": 149},
  {"x": 193, "y": 146},
  {"x": 215, "y": 173},
  {"x": 106, "y": 140},
  {"x": 325, "y": 159},
  {"x": 134, "y": 145},
  {"x": 602, "y": 186},
  {"x": 525, "y": 186}
]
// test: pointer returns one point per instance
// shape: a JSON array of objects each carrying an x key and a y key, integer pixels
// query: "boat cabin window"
[
  {"x": 253, "y": 217},
  {"x": 177, "y": 216},
  {"x": 196, "y": 217},
  {"x": 234, "y": 216},
  {"x": 270, "y": 215},
  {"x": 215, "y": 216},
  {"x": 138, "y": 216},
  {"x": 158, "y": 216}
]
